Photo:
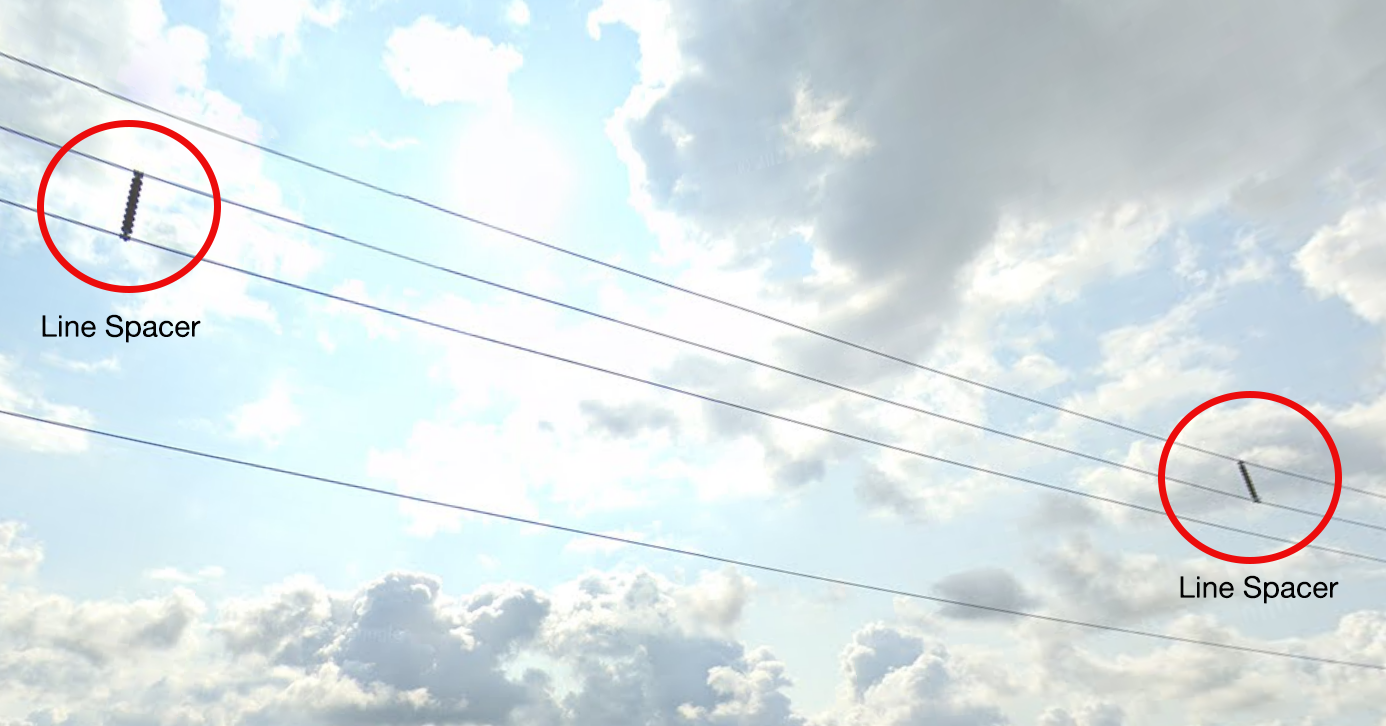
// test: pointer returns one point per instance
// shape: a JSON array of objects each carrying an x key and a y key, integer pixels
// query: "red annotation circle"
[
  {"x": 1261, "y": 559},
  {"x": 211, "y": 234}
]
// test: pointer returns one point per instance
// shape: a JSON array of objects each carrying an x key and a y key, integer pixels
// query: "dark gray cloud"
[
  {"x": 907, "y": 136},
  {"x": 1054, "y": 109},
  {"x": 630, "y": 419},
  {"x": 879, "y": 491},
  {"x": 995, "y": 587}
]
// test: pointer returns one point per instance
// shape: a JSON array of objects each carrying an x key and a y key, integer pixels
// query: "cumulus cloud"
[
  {"x": 517, "y": 13},
  {"x": 1030, "y": 122},
  {"x": 1348, "y": 260},
  {"x": 96, "y": 634},
  {"x": 634, "y": 647},
  {"x": 1161, "y": 363},
  {"x": 436, "y": 63},
  {"x": 898, "y": 677},
  {"x": 934, "y": 184},
  {"x": 616, "y": 646},
  {"x": 17, "y": 557},
  {"x": 945, "y": 186},
  {"x": 19, "y": 393},
  {"x": 251, "y": 26},
  {"x": 399, "y": 645},
  {"x": 268, "y": 419},
  {"x": 400, "y": 649}
]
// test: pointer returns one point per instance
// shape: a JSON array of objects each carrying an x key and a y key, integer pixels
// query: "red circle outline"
[
  {"x": 1259, "y": 559},
  {"x": 150, "y": 126}
]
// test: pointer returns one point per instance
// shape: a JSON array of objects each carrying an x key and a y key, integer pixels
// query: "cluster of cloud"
[
  {"x": 957, "y": 187},
  {"x": 928, "y": 243},
  {"x": 948, "y": 188},
  {"x": 436, "y": 63},
  {"x": 251, "y": 27},
  {"x": 944, "y": 215},
  {"x": 627, "y": 646}
]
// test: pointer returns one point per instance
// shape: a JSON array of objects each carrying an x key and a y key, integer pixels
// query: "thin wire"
[
  {"x": 685, "y": 552},
  {"x": 633, "y": 273},
  {"x": 669, "y": 336},
  {"x": 691, "y": 394}
]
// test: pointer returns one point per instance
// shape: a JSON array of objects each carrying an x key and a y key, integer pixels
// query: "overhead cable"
[
  {"x": 643, "y": 276},
  {"x": 691, "y": 394}
]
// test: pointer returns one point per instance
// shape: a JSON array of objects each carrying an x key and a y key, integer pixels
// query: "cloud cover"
[{"x": 622, "y": 645}]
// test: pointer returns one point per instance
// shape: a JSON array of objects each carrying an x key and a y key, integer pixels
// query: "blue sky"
[{"x": 1113, "y": 253}]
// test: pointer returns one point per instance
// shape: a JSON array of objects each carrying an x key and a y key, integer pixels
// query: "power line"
[
  {"x": 633, "y": 273},
  {"x": 691, "y": 394},
  {"x": 685, "y": 552},
  {"x": 669, "y": 336}
]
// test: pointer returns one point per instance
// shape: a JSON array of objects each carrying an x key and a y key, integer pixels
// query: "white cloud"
[
  {"x": 816, "y": 124},
  {"x": 18, "y": 394},
  {"x": 623, "y": 647},
  {"x": 173, "y": 574},
  {"x": 954, "y": 153},
  {"x": 1010, "y": 202},
  {"x": 435, "y": 63},
  {"x": 898, "y": 677},
  {"x": 1012, "y": 182},
  {"x": 251, "y": 24},
  {"x": 1027, "y": 264},
  {"x": 109, "y": 364},
  {"x": 1095, "y": 713},
  {"x": 17, "y": 557},
  {"x": 1348, "y": 259},
  {"x": 660, "y": 60},
  {"x": 268, "y": 419},
  {"x": 1164, "y": 362},
  {"x": 373, "y": 138},
  {"x": 946, "y": 212},
  {"x": 517, "y": 13},
  {"x": 96, "y": 633}
]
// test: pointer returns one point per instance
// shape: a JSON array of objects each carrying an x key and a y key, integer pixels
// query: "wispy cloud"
[
  {"x": 109, "y": 364},
  {"x": 373, "y": 138},
  {"x": 173, "y": 574},
  {"x": 269, "y": 418}
]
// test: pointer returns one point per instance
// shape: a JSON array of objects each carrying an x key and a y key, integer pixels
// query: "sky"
[{"x": 1122, "y": 208}]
